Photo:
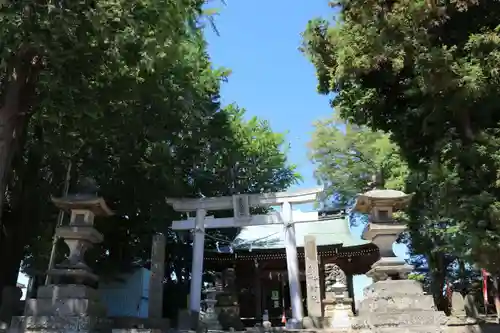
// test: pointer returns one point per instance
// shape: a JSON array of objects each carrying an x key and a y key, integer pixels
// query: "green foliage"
[
  {"x": 417, "y": 277},
  {"x": 421, "y": 70},
  {"x": 126, "y": 93},
  {"x": 348, "y": 156}
]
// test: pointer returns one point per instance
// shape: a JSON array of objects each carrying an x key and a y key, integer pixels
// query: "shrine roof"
[{"x": 333, "y": 231}]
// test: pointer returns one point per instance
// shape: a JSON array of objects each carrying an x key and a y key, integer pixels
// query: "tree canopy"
[
  {"x": 346, "y": 158},
  {"x": 126, "y": 93},
  {"x": 420, "y": 71}
]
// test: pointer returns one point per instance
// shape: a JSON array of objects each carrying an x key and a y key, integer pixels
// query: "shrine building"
[{"x": 258, "y": 258}]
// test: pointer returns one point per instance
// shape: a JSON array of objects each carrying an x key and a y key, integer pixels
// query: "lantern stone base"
[
  {"x": 398, "y": 306},
  {"x": 337, "y": 313},
  {"x": 68, "y": 308},
  {"x": 57, "y": 324}
]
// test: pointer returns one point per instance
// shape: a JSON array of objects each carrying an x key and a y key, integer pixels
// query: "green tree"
[
  {"x": 126, "y": 93},
  {"x": 65, "y": 65},
  {"x": 349, "y": 157},
  {"x": 346, "y": 157},
  {"x": 420, "y": 70}
]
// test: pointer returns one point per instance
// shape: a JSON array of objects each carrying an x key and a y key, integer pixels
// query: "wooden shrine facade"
[{"x": 261, "y": 275}]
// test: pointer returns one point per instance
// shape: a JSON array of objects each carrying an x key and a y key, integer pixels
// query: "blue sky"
[{"x": 258, "y": 40}]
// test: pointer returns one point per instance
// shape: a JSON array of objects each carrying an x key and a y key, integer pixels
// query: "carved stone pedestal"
[
  {"x": 337, "y": 312},
  {"x": 398, "y": 306},
  {"x": 74, "y": 308}
]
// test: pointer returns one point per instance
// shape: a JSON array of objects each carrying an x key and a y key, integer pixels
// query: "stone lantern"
[
  {"x": 71, "y": 304},
  {"x": 393, "y": 303},
  {"x": 80, "y": 234},
  {"x": 383, "y": 231}
]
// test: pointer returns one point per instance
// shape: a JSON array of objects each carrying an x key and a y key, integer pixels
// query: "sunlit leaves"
[
  {"x": 129, "y": 95},
  {"x": 426, "y": 72},
  {"x": 347, "y": 157}
]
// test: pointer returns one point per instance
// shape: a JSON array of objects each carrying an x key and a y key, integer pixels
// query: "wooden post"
[
  {"x": 258, "y": 293},
  {"x": 60, "y": 218}
]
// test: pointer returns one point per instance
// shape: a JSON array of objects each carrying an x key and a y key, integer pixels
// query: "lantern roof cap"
[
  {"x": 382, "y": 197},
  {"x": 90, "y": 202}
]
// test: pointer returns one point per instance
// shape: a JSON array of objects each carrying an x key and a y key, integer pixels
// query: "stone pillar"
[
  {"x": 392, "y": 300},
  {"x": 312, "y": 282},
  {"x": 197, "y": 263},
  {"x": 457, "y": 305},
  {"x": 155, "y": 304},
  {"x": 337, "y": 304},
  {"x": 292, "y": 264}
]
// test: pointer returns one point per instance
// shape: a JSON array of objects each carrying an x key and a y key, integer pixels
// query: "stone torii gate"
[{"x": 241, "y": 204}]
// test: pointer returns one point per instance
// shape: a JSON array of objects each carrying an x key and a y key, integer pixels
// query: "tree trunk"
[
  {"x": 11, "y": 244},
  {"x": 438, "y": 280},
  {"x": 14, "y": 116},
  {"x": 14, "y": 112},
  {"x": 23, "y": 212}
]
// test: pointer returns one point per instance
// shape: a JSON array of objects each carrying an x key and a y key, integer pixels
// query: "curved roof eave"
[{"x": 327, "y": 231}]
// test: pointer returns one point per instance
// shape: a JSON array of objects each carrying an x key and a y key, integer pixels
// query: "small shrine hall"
[{"x": 258, "y": 258}]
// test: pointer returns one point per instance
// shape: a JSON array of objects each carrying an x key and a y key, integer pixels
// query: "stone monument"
[
  {"x": 337, "y": 304},
  {"x": 457, "y": 305},
  {"x": 470, "y": 306},
  {"x": 71, "y": 305},
  {"x": 392, "y": 303},
  {"x": 312, "y": 284},
  {"x": 155, "y": 304},
  {"x": 458, "y": 314}
]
